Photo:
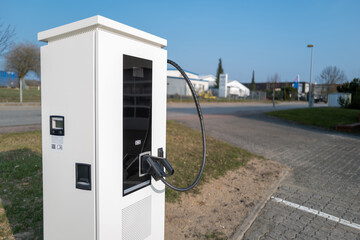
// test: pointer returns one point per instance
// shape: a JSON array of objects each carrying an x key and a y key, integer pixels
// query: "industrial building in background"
[
  {"x": 177, "y": 86},
  {"x": 8, "y": 79},
  {"x": 203, "y": 84},
  {"x": 282, "y": 90},
  {"x": 235, "y": 88}
]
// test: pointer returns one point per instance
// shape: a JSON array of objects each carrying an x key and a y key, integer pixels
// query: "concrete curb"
[{"x": 240, "y": 232}]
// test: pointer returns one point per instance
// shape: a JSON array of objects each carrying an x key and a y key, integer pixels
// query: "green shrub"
[
  {"x": 344, "y": 103},
  {"x": 352, "y": 87}
]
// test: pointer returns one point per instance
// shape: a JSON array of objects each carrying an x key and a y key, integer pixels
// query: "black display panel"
[
  {"x": 57, "y": 125},
  {"x": 137, "y": 97}
]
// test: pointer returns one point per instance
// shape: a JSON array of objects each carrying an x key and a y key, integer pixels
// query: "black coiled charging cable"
[{"x": 202, "y": 131}]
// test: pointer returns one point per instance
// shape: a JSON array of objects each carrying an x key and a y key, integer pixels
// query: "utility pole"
[
  {"x": 273, "y": 95},
  {"x": 311, "y": 67},
  {"x": 298, "y": 80},
  {"x": 21, "y": 90}
]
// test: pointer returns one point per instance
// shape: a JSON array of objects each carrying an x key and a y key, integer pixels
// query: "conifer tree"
[
  {"x": 219, "y": 71},
  {"x": 253, "y": 87}
]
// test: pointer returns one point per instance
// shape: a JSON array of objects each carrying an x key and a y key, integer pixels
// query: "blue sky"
[{"x": 266, "y": 36}]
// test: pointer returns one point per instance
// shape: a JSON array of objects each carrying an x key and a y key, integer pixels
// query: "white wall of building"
[
  {"x": 200, "y": 86},
  {"x": 238, "y": 89},
  {"x": 176, "y": 84},
  {"x": 210, "y": 78},
  {"x": 333, "y": 98}
]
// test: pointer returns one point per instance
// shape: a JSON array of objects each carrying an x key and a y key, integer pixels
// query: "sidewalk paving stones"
[{"x": 325, "y": 174}]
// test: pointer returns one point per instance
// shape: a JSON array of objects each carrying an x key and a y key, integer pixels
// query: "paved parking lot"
[{"x": 320, "y": 198}]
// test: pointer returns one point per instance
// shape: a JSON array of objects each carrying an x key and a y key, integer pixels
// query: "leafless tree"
[
  {"x": 330, "y": 76},
  {"x": 6, "y": 35},
  {"x": 274, "y": 79},
  {"x": 23, "y": 58}
]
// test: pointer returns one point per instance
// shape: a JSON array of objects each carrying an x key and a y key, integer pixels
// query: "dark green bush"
[
  {"x": 352, "y": 87},
  {"x": 344, "y": 103}
]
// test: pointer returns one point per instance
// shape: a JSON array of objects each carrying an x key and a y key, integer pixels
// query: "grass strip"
[
  {"x": 21, "y": 173},
  {"x": 184, "y": 152},
  {"x": 13, "y": 95},
  {"x": 21, "y": 184},
  {"x": 325, "y": 117}
]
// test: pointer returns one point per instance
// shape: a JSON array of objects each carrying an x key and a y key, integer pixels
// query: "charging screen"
[
  {"x": 137, "y": 96},
  {"x": 59, "y": 124}
]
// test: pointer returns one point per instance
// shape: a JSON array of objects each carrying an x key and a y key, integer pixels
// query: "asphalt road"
[
  {"x": 320, "y": 198},
  {"x": 19, "y": 115},
  {"x": 27, "y": 115},
  {"x": 178, "y": 109}
]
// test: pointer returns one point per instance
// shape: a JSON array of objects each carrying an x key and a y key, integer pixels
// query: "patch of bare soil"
[
  {"x": 223, "y": 204},
  {"x": 5, "y": 230}
]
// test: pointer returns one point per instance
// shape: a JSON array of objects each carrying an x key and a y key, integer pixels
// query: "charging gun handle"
[
  {"x": 155, "y": 166},
  {"x": 164, "y": 162}
]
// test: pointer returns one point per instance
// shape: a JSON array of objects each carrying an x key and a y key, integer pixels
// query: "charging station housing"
[{"x": 103, "y": 107}]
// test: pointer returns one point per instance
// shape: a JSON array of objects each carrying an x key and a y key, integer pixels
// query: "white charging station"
[{"x": 103, "y": 105}]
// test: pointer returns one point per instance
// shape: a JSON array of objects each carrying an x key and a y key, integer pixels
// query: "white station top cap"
[{"x": 101, "y": 22}]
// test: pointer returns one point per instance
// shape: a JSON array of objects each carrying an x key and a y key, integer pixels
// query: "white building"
[
  {"x": 333, "y": 98},
  {"x": 237, "y": 89},
  {"x": 210, "y": 78},
  {"x": 176, "y": 84}
]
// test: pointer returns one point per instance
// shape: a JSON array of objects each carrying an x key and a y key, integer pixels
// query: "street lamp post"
[{"x": 311, "y": 66}]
